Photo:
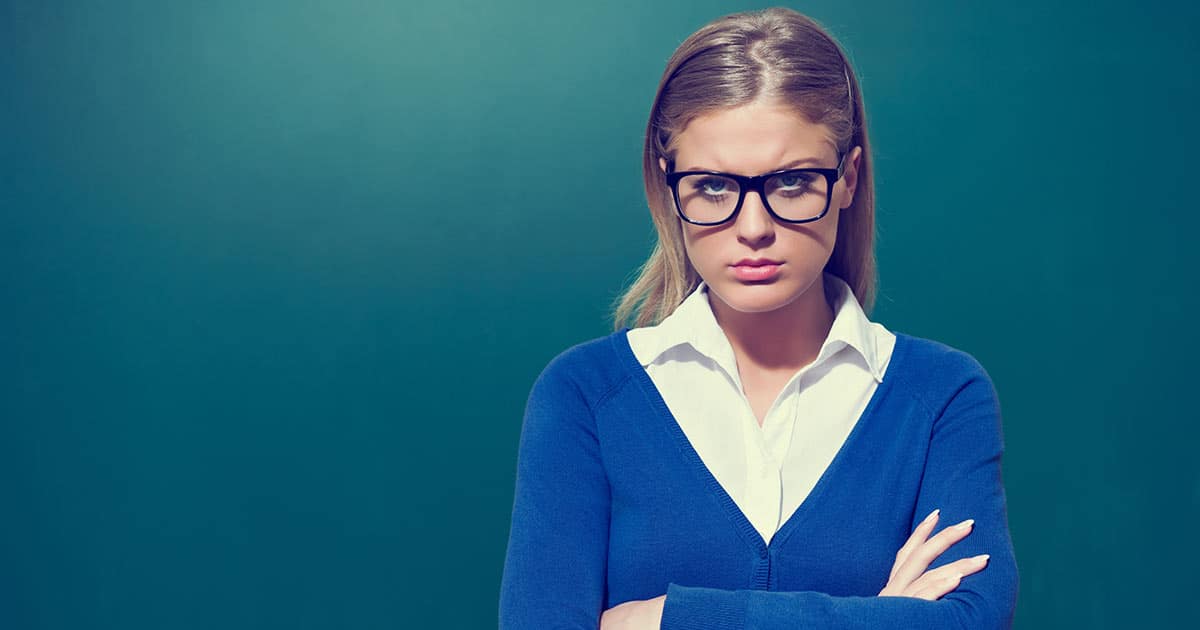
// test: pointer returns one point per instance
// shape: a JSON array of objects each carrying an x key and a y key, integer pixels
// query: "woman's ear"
[
  {"x": 662, "y": 164},
  {"x": 850, "y": 175}
]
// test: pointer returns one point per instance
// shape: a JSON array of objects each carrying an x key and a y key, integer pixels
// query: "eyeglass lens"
[{"x": 794, "y": 196}]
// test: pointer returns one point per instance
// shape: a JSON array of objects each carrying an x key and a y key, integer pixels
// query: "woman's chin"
[{"x": 756, "y": 298}]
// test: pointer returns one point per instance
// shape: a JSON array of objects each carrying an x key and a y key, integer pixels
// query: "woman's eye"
[
  {"x": 714, "y": 186},
  {"x": 792, "y": 181}
]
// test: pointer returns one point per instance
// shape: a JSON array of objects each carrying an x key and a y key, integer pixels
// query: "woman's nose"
[{"x": 754, "y": 223}]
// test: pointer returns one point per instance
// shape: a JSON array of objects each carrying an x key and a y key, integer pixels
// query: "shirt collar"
[
  {"x": 851, "y": 327},
  {"x": 693, "y": 323}
]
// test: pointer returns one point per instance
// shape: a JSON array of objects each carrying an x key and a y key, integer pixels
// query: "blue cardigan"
[{"x": 613, "y": 504}]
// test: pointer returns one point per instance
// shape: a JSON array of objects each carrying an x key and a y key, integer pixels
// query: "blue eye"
[
  {"x": 791, "y": 184},
  {"x": 793, "y": 180},
  {"x": 710, "y": 186}
]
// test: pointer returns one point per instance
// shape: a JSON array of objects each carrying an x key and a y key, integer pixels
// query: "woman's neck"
[{"x": 785, "y": 339}]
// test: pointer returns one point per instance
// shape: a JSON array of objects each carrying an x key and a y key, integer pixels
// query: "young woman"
[{"x": 756, "y": 453}]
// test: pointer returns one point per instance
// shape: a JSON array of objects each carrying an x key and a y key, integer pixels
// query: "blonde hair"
[{"x": 778, "y": 54}]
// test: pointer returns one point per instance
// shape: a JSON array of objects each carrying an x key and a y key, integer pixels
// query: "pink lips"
[{"x": 755, "y": 269}]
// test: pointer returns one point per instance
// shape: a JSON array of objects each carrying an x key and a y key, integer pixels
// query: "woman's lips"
[{"x": 756, "y": 270}]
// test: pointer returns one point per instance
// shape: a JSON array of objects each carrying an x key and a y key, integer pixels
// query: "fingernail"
[
  {"x": 931, "y": 515},
  {"x": 982, "y": 559},
  {"x": 965, "y": 524}
]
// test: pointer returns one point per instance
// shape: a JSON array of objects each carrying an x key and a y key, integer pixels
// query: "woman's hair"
[{"x": 775, "y": 54}]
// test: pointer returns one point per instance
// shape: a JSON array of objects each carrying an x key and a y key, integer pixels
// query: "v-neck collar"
[{"x": 741, "y": 523}]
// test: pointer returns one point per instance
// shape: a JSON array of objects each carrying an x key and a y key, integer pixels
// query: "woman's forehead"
[{"x": 752, "y": 138}]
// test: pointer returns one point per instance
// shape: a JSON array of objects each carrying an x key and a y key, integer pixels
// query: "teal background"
[{"x": 276, "y": 277}]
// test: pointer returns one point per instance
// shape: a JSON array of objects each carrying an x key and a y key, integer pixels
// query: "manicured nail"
[
  {"x": 965, "y": 524},
  {"x": 931, "y": 515},
  {"x": 982, "y": 559}
]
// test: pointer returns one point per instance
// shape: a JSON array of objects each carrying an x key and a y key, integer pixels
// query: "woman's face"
[{"x": 751, "y": 140}]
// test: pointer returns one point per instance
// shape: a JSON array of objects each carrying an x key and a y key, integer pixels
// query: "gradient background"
[{"x": 276, "y": 277}]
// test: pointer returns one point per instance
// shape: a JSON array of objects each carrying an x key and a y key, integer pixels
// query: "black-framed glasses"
[{"x": 794, "y": 195}]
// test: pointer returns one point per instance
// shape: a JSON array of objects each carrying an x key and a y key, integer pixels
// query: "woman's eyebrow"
[{"x": 792, "y": 164}]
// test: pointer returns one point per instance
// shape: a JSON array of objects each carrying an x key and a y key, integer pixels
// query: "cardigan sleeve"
[
  {"x": 556, "y": 561},
  {"x": 962, "y": 477}
]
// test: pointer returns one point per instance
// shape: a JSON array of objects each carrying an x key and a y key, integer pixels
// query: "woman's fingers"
[
  {"x": 909, "y": 576},
  {"x": 936, "y": 583},
  {"x": 920, "y": 558},
  {"x": 915, "y": 540},
  {"x": 933, "y": 590}
]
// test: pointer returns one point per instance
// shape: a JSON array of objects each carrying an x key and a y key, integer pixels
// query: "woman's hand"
[
  {"x": 641, "y": 614},
  {"x": 909, "y": 577}
]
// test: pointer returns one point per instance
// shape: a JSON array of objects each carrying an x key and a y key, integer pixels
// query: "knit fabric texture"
[{"x": 613, "y": 504}]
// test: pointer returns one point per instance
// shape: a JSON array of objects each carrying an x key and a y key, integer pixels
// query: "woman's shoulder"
[
  {"x": 594, "y": 367},
  {"x": 924, "y": 351},
  {"x": 952, "y": 386},
  {"x": 934, "y": 366}
]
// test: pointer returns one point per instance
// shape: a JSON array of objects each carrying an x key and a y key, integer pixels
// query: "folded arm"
[{"x": 962, "y": 478}]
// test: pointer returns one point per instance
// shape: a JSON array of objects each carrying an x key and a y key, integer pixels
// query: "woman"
[{"x": 755, "y": 452}]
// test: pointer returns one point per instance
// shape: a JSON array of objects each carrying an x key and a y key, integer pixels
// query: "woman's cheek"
[{"x": 699, "y": 252}]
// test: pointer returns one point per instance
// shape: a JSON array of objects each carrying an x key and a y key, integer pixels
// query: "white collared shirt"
[{"x": 769, "y": 470}]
